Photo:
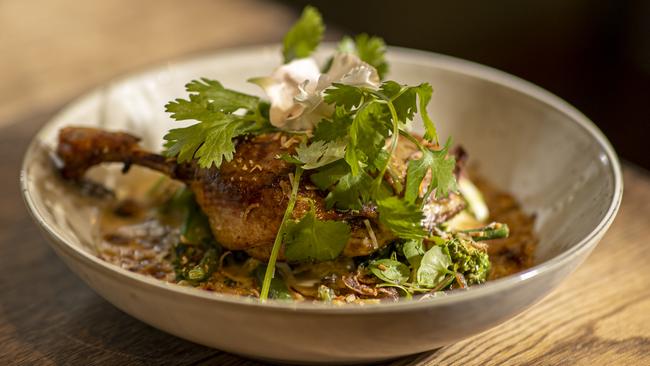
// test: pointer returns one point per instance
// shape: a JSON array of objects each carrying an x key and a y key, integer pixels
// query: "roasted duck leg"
[{"x": 245, "y": 198}]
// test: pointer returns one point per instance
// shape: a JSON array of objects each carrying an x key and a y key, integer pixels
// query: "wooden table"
[{"x": 600, "y": 315}]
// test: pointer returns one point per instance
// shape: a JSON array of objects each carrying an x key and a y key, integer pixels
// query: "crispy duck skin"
[{"x": 245, "y": 198}]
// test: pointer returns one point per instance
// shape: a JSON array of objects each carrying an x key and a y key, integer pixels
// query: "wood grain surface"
[{"x": 53, "y": 50}]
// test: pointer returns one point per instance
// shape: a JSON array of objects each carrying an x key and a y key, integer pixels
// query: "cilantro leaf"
[
  {"x": 346, "y": 45},
  {"x": 337, "y": 127},
  {"x": 415, "y": 173},
  {"x": 441, "y": 166},
  {"x": 326, "y": 177},
  {"x": 442, "y": 173},
  {"x": 350, "y": 192},
  {"x": 372, "y": 50},
  {"x": 368, "y": 133},
  {"x": 220, "y": 98},
  {"x": 305, "y": 35},
  {"x": 403, "y": 218},
  {"x": 433, "y": 267},
  {"x": 405, "y": 101},
  {"x": 424, "y": 92},
  {"x": 211, "y": 140},
  {"x": 390, "y": 270},
  {"x": 320, "y": 153},
  {"x": 311, "y": 239},
  {"x": 346, "y": 96},
  {"x": 406, "y": 105}
]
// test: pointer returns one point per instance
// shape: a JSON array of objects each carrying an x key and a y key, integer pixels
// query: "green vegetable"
[
  {"x": 433, "y": 267},
  {"x": 413, "y": 250},
  {"x": 408, "y": 292},
  {"x": 179, "y": 202},
  {"x": 390, "y": 270},
  {"x": 305, "y": 35},
  {"x": 368, "y": 133},
  {"x": 206, "y": 266},
  {"x": 441, "y": 167},
  {"x": 345, "y": 96},
  {"x": 196, "y": 256},
  {"x": 211, "y": 140},
  {"x": 475, "y": 202},
  {"x": 494, "y": 230},
  {"x": 310, "y": 239},
  {"x": 468, "y": 260},
  {"x": 277, "y": 289},
  {"x": 348, "y": 158},
  {"x": 373, "y": 51},
  {"x": 424, "y": 92},
  {"x": 334, "y": 128},
  {"x": 373, "y": 116},
  {"x": 325, "y": 293},
  {"x": 404, "y": 219},
  {"x": 196, "y": 226},
  {"x": 275, "y": 250},
  {"x": 319, "y": 153},
  {"x": 350, "y": 191},
  {"x": 194, "y": 263}
]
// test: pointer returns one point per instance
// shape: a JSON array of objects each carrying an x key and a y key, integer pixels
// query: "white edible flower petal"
[
  {"x": 342, "y": 64},
  {"x": 362, "y": 76},
  {"x": 282, "y": 87},
  {"x": 295, "y": 90}
]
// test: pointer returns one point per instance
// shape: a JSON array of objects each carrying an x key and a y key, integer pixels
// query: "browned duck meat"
[{"x": 245, "y": 198}]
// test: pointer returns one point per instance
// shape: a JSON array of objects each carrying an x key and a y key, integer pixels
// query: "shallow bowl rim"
[{"x": 413, "y": 56}]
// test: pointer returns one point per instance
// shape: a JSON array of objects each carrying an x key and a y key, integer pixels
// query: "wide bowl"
[{"x": 525, "y": 140}]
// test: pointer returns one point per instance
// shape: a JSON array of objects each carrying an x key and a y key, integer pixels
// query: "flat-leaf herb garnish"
[
  {"x": 311, "y": 239},
  {"x": 210, "y": 141},
  {"x": 346, "y": 149},
  {"x": 305, "y": 36},
  {"x": 434, "y": 266},
  {"x": 390, "y": 270}
]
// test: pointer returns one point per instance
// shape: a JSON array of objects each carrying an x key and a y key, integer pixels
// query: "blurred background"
[{"x": 595, "y": 54}]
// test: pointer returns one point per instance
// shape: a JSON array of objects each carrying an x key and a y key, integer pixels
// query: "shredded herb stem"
[{"x": 270, "y": 268}]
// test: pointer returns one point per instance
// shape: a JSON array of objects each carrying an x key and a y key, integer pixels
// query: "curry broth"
[{"x": 134, "y": 235}]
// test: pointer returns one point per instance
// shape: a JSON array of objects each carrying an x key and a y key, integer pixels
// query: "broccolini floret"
[{"x": 468, "y": 259}]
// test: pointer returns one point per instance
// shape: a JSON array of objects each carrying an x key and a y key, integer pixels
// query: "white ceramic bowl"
[{"x": 526, "y": 140}]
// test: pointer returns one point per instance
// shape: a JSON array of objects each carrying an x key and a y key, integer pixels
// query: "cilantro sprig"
[
  {"x": 367, "y": 118},
  {"x": 305, "y": 36},
  {"x": 350, "y": 158},
  {"x": 311, "y": 239},
  {"x": 347, "y": 156},
  {"x": 210, "y": 141}
]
